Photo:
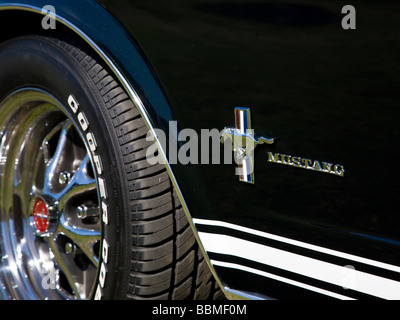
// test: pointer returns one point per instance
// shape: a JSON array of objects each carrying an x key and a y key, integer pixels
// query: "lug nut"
[
  {"x": 69, "y": 248},
  {"x": 64, "y": 177}
]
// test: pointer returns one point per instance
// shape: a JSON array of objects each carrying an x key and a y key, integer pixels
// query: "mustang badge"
[{"x": 244, "y": 142}]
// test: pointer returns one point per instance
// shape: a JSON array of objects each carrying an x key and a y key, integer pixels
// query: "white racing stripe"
[
  {"x": 279, "y": 278},
  {"x": 299, "y": 264},
  {"x": 298, "y": 244}
]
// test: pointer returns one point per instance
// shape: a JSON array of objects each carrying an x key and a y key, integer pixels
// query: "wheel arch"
[{"x": 91, "y": 24}]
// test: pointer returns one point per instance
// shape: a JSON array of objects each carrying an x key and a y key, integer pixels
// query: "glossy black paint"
[{"x": 330, "y": 95}]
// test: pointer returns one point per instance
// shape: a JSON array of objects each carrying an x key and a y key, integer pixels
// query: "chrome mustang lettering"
[{"x": 305, "y": 163}]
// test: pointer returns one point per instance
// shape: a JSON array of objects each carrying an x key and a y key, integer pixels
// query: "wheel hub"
[
  {"x": 40, "y": 216},
  {"x": 45, "y": 217}
]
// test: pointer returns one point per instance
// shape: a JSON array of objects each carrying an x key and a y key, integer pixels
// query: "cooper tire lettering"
[
  {"x": 83, "y": 121},
  {"x": 104, "y": 252},
  {"x": 73, "y": 103},
  {"x": 92, "y": 141},
  {"x": 99, "y": 293},
  {"x": 84, "y": 124},
  {"x": 102, "y": 186},
  {"x": 98, "y": 163},
  {"x": 104, "y": 208},
  {"x": 102, "y": 275}
]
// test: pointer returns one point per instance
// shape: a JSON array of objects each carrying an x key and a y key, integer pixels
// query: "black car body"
[{"x": 321, "y": 218}]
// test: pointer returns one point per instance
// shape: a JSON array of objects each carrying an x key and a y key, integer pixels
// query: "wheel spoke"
[
  {"x": 66, "y": 267},
  {"x": 53, "y": 167},
  {"x": 84, "y": 239},
  {"x": 38, "y": 172},
  {"x": 46, "y": 144},
  {"x": 79, "y": 184}
]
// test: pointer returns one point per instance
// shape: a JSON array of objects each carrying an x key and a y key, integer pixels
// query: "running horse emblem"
[{"x": 244, "y": 142}]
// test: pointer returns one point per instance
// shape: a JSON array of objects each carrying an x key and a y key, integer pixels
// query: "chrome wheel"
[{"x": 49, "y": 206}]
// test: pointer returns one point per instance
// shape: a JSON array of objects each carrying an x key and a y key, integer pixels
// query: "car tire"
[{"x": 73, "y": 150}]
